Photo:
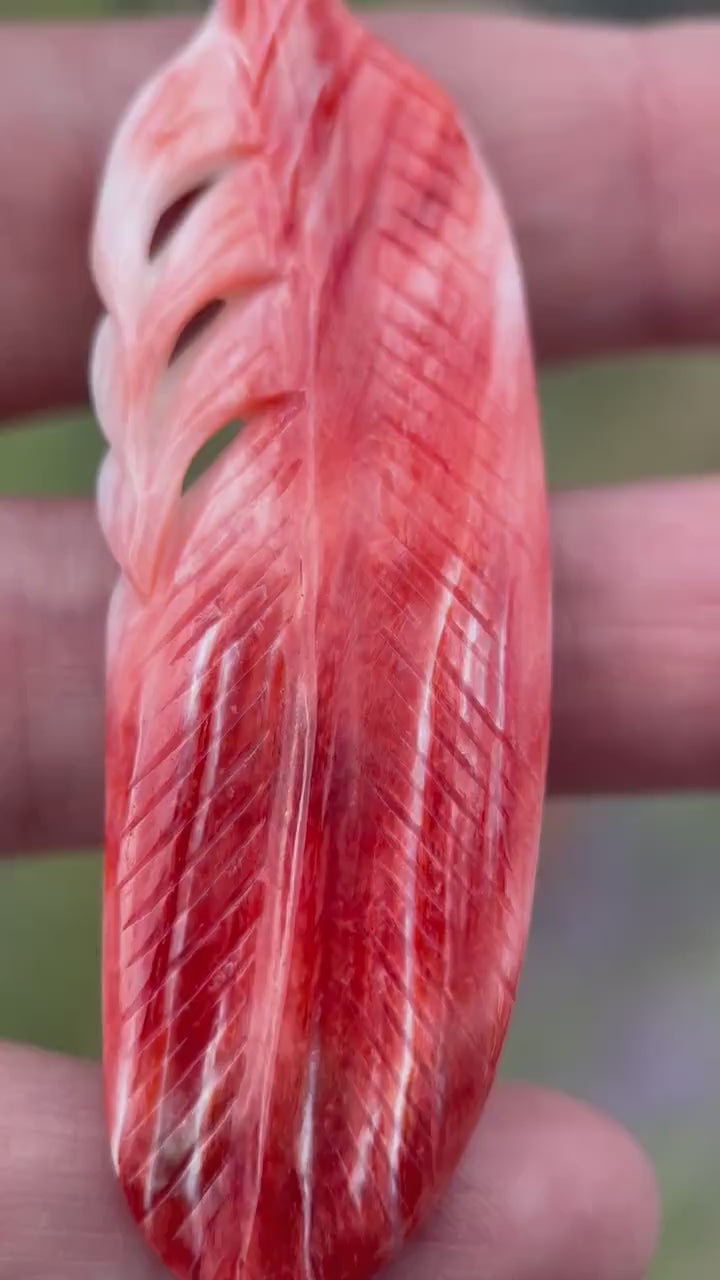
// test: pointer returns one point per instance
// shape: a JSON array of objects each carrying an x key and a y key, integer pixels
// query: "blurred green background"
[{"x": 620, "y": 995}]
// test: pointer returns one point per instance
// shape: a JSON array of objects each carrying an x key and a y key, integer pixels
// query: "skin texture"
[{"x": 546, "y": 1183}]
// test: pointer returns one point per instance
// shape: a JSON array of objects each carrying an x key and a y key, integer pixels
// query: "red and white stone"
[{"x": 328, "y": 661}]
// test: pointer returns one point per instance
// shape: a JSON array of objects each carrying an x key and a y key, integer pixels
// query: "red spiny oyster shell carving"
[{"x": 328, "y": 661}]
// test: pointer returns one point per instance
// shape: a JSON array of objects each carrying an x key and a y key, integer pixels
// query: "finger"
[
  {"x": 79, "y": 78},
  {"x": 55, "y": 1171},
  {"x": 54, "y": 587},
  {"x": 598, "y": 137},
  {"x": 547, "y": 1191},
  {"x": 636, "y": 701}
]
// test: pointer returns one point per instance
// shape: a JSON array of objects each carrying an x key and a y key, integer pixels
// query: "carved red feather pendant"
[{"x": 328, "y": 660}]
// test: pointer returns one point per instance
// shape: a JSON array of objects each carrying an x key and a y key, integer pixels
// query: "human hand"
[{"x": 597, "y": 139}]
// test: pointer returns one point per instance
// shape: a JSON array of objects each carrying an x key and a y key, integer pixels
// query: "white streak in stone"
[
  {"x": 202, "y": 655},
  {"x": 179, "y": 929},
  {"x": 208, "y": 1085},
  {"x": 498, "y": 750},
  {"x": 216, "y": 729},
  {"x": 366, "y": 1140},
  {"x": 474, "y": 678},
  {"x": 469, "y": 658},
  {"x": 122, "y": 1098},
  {"x": 422, "y": 748},
  {"x": 473, "y": 674},
  {"x": 156, "y": 1148},
  {"x": 180, "y": 925},
  {"x": 304, "y": 1155}
]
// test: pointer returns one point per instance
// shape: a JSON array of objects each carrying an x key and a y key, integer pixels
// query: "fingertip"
[
  {"x": 605, "y": 1185},
  {"x": 584, "y": 1195},
  {"x": 549, "y": 1189},
  {"x": 61, "y": 1211}
]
